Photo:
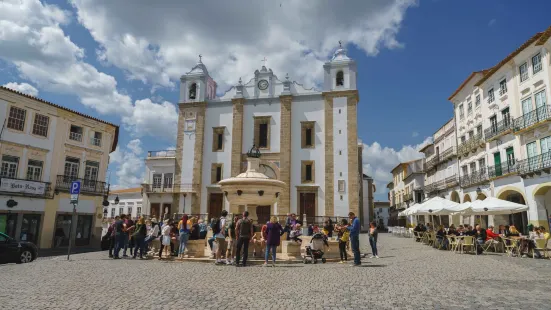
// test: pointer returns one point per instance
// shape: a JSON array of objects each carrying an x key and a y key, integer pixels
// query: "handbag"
[{"x": 166, "y": 240}]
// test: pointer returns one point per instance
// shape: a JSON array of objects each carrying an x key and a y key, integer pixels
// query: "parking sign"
[{"x": 75, "y": 190}]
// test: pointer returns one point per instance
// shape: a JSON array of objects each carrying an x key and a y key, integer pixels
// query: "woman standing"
[
  {"x": 165, "y": 238},
  {"x": 183, "y": 229},
  {"x": 139, "y": 237},
  {"x": 273, "y": 236},
  {"x": 373, "y": 234}
]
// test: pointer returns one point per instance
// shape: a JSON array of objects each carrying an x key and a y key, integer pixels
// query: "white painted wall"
[
  {"x": 217, "y": 115},
  {"x": 340, "y": 153},
  {"x": 308, "y": 109},
  {"x": 126, "y": 200},
  {"x": 24, "y": 204},
  {"x": 262, "y": 107},
  {"x": 84, "y": 206}
]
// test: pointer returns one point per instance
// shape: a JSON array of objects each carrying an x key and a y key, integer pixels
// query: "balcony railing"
[
  {"x": 448, "y": 153},
  {"x": 502, "y": 91},
  {"x": 75, "y": 136},
  {"x": 91, "y": 187},
  {"x": 463, "y": 148},
  {"x": 160, "y": 154},
  {"x": 496, "y": 130},
  {"x": 158, "y": 188},
  {"x": 432, "y": 162},
  {"x": 491, "y": 99},
  {"x": 540, "y": 114},
  {"x": 25, "y": 188},
  {"x": 476, "y": 141},
  {"x": 535, "y": 164},
  {"x": 502, "y": 169},
  {"x": 452, "y": 181},
  {"x": 95, "y": 141},
  {"x": 475, "y": 177},
  {"x": 408, "y": 197}
]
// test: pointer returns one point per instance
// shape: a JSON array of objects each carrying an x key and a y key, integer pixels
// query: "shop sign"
[{"x": 22, "y": 186}]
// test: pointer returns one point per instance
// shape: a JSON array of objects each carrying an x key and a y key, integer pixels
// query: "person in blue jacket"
[{"x": 354, "y": 229}]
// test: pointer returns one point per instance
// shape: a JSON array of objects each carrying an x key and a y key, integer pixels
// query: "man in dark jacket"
[
  {"x": 480, "y": 235},
  {"x": 244, "y": 232}
]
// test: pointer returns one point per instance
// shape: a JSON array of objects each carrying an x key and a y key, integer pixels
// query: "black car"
[{"x": 12, "y": 251}]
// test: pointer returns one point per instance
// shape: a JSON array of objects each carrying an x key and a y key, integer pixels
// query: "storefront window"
[
  {"x": 30, "y": 228},
  {"x": 84, "y": 224},
  {"x": 63, "y": 225},
  {"x": 7, "y": 224}
]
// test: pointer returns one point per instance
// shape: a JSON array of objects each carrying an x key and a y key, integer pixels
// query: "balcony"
[
  {"x": 451, "y": 181},
  {"x": 174, "y": 188},
  {"x": 463, "y": 148},
  {"x": 502, "y": 91},
  {"x": 535, "y": 165},
  {"x": 432, "y": 162},
  {"x": 408, "y": 197},
  {"x": 475, "y": 142},
  {"x": 161, "y": 154},
  {"x": 95, "y": 141},
  {"x": 91, "y": 187},
  {"x": 447, "y": 154},
  {"x": 25, "y": 188},
  {"x": 498, "y": 129},
  {"x": 530, "y": 119},
  {"x": 503, "y": 169},
  {"x": 476, "y": 177}
]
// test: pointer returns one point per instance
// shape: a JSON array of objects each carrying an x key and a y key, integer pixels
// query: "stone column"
[
  {"x": 353, "y": 174},
  {"x": 237, "y": 136},
  {"x": 329, "y": 158},
  {"x": 284, "y": 202}
]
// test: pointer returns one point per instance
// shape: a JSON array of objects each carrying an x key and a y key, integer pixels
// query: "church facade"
[{"x": 308, "y": 139}]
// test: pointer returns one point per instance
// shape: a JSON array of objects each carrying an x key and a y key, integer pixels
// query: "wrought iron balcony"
[
  {"x": 408, "y": 197},
  {"x": 429, "y": 188},
  {"x": 440, "y": 185},
  {"x": 451, "y": 181},
  {"x": 498, "y": 129},
  {"x": 504, "y": 168},
  {"x": 157, "y": 188},
  {"x": 463, "y": 148},
  {"x": 502, "y": 91},
  {"x": 476, "y": 141},
  {"x": 25, "y": 188},
  {"x": 535, "y": 164},
  {"x": 475, "y": 177},
  {"x": 91, "y": 187},
  {"x": 538, "y": 115},
  {"x": 161, "y": 154},
  {"x": 447, "y": 154},
  {"x": 432, "y": 162}
]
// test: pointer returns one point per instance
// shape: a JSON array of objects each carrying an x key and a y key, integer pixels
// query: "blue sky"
[{"x": 411, "y": 56}]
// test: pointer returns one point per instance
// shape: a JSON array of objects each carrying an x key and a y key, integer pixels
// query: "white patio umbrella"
[
  {"x": 494, "y": 206},
  {"x": 435, "y": 206},
  {"x": 410, "y": 211}
]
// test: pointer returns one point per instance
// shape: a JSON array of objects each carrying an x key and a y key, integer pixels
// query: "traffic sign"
[{"x": 75, "y": 187}]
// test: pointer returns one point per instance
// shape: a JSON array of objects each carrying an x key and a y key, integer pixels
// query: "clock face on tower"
[{"x": 262, "y": 84}]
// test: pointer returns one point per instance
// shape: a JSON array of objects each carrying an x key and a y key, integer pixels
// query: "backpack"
[
  {"x": 245, "y": 228},
  {"x": 215, "y": 225}
]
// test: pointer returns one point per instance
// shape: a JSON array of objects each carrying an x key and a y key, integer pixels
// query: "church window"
[
  {"x": 340, "y": 152},
  {"x": 340, "y": 78},
  {"x": 216, "y": 173},
  {"x": 339, "y": 111},
  {"x": 193, "y": 91},
  {"x": 262, "y": 132},
  {"x": 308, "y": 134},
  {"x": 307, "y": 171},
  {"x": 218, "y": 139}
]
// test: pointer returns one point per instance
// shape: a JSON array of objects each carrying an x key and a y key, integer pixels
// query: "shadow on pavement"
[{"x": 63, "y": 251}]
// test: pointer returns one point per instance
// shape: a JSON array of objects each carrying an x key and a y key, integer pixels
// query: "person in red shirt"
[{"x": 490, "y": 234}]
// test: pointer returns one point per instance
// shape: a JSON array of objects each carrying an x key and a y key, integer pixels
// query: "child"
[
  {"x": 296, "y": 233},
  {"x": 343, "y": 236}
]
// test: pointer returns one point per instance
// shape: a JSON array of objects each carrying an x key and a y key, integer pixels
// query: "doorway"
[
  {"x": 156, "y": 211},
  {"x": 167, "y": 210},
  {"x": 307, "y": 203},
  {"x": 216, "y": 204},
  {"x": 84, "y": 226},
  {"x": 263, "y": 214},
  {"x": 30, "y": 228}
]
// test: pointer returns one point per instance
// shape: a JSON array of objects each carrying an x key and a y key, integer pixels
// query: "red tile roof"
[
  {"x": 115, "y": 138},
  {"x": 472, "y": 75}
]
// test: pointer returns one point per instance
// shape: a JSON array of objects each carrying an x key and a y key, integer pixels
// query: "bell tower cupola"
[
  {"x": 339, "y": 72},
  {"x": 197, "y": 85}
]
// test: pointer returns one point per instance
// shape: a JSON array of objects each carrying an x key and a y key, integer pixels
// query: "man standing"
[
  {"x": 219, "y": 231},
  {"x": 354, "y": 229},
  {"x": 129, "y": 223},
  {"x": 244, "y": 232},
  {"x": 120, "y": 236}
]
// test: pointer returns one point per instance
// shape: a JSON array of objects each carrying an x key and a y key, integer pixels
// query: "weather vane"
[
  {"x": 340, "y": 43},
  {"x": 200, "y": 56},
  {"x": 264, "y": 60}
]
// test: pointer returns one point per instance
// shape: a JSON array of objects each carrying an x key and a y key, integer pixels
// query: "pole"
[{"x": 71, "y": 230}]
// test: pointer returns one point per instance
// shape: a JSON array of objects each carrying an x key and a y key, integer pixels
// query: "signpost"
[{"x": 75, "y": 191}]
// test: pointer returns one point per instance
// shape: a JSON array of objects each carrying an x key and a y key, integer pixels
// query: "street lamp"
[
  {"x": 117, "y": 200},
  {"x": 478, "y": 190}
]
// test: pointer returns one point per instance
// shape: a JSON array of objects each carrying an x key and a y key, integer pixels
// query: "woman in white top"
[
  {"x": 165, "y": 237},
  {"x": 152, "y": 232}
]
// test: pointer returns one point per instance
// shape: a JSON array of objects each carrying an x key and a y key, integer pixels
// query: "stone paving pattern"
[{"x": 408, "y": 275}]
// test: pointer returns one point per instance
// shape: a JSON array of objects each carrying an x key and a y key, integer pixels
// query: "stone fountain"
[{"x": 251, "y": 188}]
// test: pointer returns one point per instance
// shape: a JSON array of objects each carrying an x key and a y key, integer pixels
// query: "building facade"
[
  {"x": 308, "y": 139},
  {"x": 381, "y": 214},
  {"x": 44, "y": 147},
  {"x": 126, "y": 201},
  {"x": 368, "y": 190}
]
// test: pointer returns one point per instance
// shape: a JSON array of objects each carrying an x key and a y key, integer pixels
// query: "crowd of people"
[
  {"x": 485, "y": 237},
  {"x": 231, "y": 238}
]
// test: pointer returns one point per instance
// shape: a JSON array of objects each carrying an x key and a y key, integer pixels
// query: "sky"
[{"x": 121, "y": 60}]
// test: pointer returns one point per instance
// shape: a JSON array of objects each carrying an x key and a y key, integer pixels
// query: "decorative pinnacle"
[
  {"x": 200, "y": 56},
  {"x": 287, "y": 76},
  {"x": 239, "y": 80},
  {"x": 340, "y": 43},
  {"x": 264, "y": 60}
]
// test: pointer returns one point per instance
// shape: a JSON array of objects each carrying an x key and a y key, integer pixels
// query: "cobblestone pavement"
[{"x": 407, "y": 276}]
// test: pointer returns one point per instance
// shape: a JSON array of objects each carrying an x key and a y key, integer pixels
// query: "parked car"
[{"x": 13, "y": 251}]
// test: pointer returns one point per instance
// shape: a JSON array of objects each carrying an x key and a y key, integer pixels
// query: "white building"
[
  {"x": 381, "y": 213},
  {"x": 308, "y": 139},
  {"x": 126, "y": 201}
]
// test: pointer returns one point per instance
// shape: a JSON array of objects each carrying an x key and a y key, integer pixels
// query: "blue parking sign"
[{"x": 75, "y": 187}]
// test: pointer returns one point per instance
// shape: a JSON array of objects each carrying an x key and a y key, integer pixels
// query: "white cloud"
[
  {"x": 149, "y": 118},
  {"x": 378, "y": 161},
  {"x": 414, "y": 134},
  {"x": 23, "y": 88},
  {"x": 157, "y": 42},
  {"x": 131, "y": 165}
]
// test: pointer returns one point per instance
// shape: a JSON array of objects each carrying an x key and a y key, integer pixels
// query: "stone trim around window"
[
  {"x": 304, "y": 126},
  {"x": 303, "y": 168},
  {"x": 258, "y": 120},
  {"x": 215, "y": 132},
  {"x": 213, "y": 173}
]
